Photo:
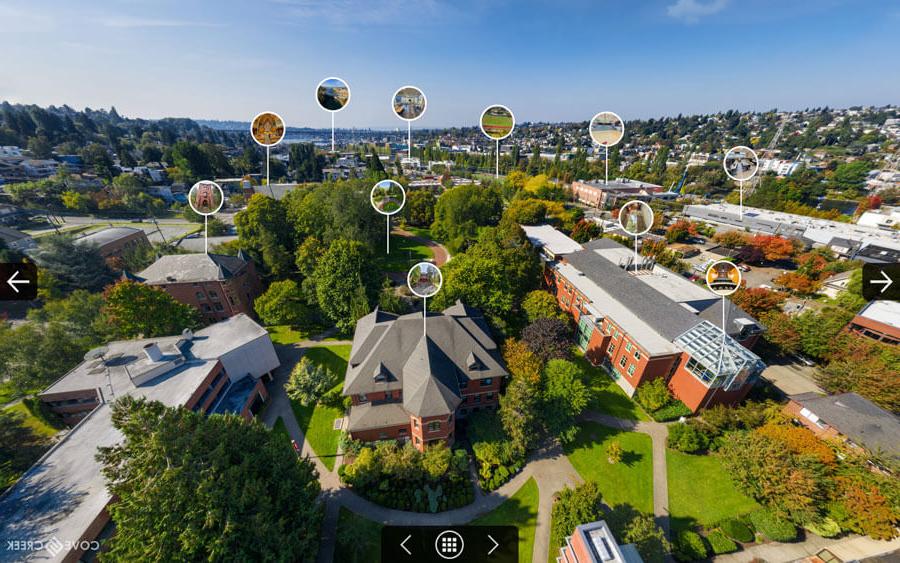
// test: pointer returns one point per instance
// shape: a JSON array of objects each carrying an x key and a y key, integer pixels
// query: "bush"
[
  {"x": 672, "y": 411},
  {"x": 653, "y": 395},
  {"x": 689, "y": 546},
  {"x": 333, "y": 398},
  {"x": 827, "y": 528},
  {"x": 773, "y": 527},
  {"x": 720, "y": 543},
  {"x": 686, "y": 438},
  {"x": 737, "y": 530}
]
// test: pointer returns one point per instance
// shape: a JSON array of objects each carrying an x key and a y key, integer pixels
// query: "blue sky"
[{"x": 546, "y": 61}]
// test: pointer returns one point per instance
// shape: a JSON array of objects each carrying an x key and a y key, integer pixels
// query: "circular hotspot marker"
[
  {"x": 409, "y": 103},
  {"x": 267, "y": 128},
  {"x": 497, "y": 122},
  {"x": 636, "y": 217},
  {"x": 723, "y": 278},
  {"x": 741, "y": 163},
  {"x": 606, "y": 129},
  {"x": 333, "y": 94},
  {"x": 424, "y": 279},
  {"x": 387, "y": 197},
  {"x": 206, "y": 198}
]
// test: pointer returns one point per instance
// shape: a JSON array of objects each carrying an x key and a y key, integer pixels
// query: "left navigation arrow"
[{"x": 19, "y": 281}]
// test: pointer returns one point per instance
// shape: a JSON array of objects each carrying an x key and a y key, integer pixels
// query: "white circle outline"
[
  {"x": 221, "y": 200},
  {"x": 481, "y": 122},
  {"x": 736, "y": 269},
  {"x": 645, "y": 231},
  {"x": 319, "y": 85},
  {"x": 283, "y": 122},
  {"x": 462, "y": 544},
  {"x": 395, "y": 183},
  {"x": 424, "y": 109},
  {"x": 755, "y": 158},
  {"x": 616, "y": 115},
  {"x": 440, "y": 276}
]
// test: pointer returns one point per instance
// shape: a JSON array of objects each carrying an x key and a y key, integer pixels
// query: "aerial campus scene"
[{"x": 323, "y": 297}]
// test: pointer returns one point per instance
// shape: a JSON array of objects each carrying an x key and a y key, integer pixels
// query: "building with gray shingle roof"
[{"x": 409, "y": 385}]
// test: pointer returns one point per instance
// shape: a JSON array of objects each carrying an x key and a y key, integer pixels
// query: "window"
[
  {"x": 434, "y": 425},
  {"x": 362, "y": 398},
  {"x": 218, "y": 307},
  {"x": 200, "y": 295},
  {"x": 486, "y": 381},
  {"x": 631, "y": 369},
  {"x": 388, "y": 395},
  {"x": 622, "y": 362},
  {"x": 382, "y": 436},
  {"x": 213, "y": 295},
  {"x": 617, "y": 334},
  {"x": 611, "y": 349},
  {"x": 489, "y": 397},
  {"x": 449, "y": 418},
  {"x": 205, "y": 308},
  {"x": 628, "y": 347},
  {"x": 637, "y": 354},
  {"x": 402, "y": 431},
  {"x": 418, "y": 441},
  {"x": 477, "y": 399},
  {"x": 416, "y": 422}
]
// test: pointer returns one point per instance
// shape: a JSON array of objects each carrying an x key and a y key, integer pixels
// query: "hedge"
[
  {"x": 672, "y": 411},
  {"x": 737, "y": 530},
  {"x": 773, "y": 527},
  {"x": 720, "y": 543},
  {"x": 827, "y": 528},
  {"x": 689, "y": 546}
]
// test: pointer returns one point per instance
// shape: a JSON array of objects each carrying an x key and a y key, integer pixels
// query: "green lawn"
[
  {"x": 606, "y": 396},
  {"x": 405, "y": 253},
  {"x": 34, "y": 418},
  {"x": 317, "y": 422},
  {"x": 358, "y": 539},
  {"x": 287, "y": 335},
  {"x": 629, "y": 481},
  {"x": 701, "y": 492},
  {"x": 520, "y": 510}
]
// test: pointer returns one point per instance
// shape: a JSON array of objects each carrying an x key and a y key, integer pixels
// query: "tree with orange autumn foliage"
[
  {"x": 866, "y": 509},
  {"x": 773, "y": 247},
  {"x": 757, "y": 301},
  {"x": 798, "y": 283},
  {"x": 521, "y": 361},
  {"x": 799, "y": 440}
]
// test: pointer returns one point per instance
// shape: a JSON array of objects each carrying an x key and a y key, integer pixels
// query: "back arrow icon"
[
  {"x": 12, "y": 281},
  {"x": 886, "y": 282},
  {"x": 403, "y": 546}
]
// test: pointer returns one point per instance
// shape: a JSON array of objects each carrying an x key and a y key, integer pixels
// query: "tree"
[
  {"x": 303, "y": 163},
  {"x": 680, "y": 231},
  {"x": 631, "y": 526},
  {"x": 57, "y": 347},
  {"x": 521, "y": 361},
  {"x": 40, "y": 147},
  {"x": 79, "y": 312},
  {"x": 461, "y": 210},
  {"x": 133, "y": 310},
  {"x": 773, "y": 247},
  {"x": 436, "y": 460},
  {"x": 686, "y": 438},
  {"x": 75, "y": 266},
  {"x": 572, "y": 508},
  {"x": 519, "y": 412},
  {"x": 861, "y": 365},
  {"x": 654, "y": 394},
  {"x": 191, "y": 163},
  {"x": 75, "y": 200},
  {"x": 282, "y": 304},
  {"x": 586, "y": 230},
  {"x": 526, "y": 211},
  {"x": 548, "y": 338},
  {"x": 308, "y": 382},
  {"x": 757, "y": 301},
  {"x": 419, "y": 209},
  {"x": 345, "y": 271},
  {"x": 234, "y": 487},
  {"x": 614, "y": 452},
  {"x": 731, "y": 239},
  {"x": 539, "y": 304},
  {"x": 781, "y": 332},
  {"x": 97, "y": 157},
  {"x": 264, "y": 231},
  {"x": 565, "y": 396},
  {"x": 867, "y": 510},
  {"x": 798, "y": 283}
]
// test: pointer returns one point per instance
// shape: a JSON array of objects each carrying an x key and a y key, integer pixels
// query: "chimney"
[{"x": 153, "y": 352}]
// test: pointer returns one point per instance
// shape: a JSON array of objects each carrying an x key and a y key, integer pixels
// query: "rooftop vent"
[
  {"x": 154, "y": 354},
  {"x": 473, "y": 363}
]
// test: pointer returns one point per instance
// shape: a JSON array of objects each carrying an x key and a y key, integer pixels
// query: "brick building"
[
  {"x": 879, "y": 320},
  {"x": 219, "y": 369},
  {"x": 594, "y": 543},
  {"x": 219, "y": 286},
  {"x": 642, "y": 321},
  {"x": 116, "y": 242},
  {"x": 405, "y": 385},
  {"x": 600, "y": 194},
  {"x": 850, "y": 418}
]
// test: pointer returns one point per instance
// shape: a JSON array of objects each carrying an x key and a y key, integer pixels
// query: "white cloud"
[
  {"x": 692, "y": 10},
  {"x": 355, "y": 13}
]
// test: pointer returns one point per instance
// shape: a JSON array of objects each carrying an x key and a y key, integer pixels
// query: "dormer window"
[
  {"x": 380, "y": 373},
  {"x": 473, "y": 363}
]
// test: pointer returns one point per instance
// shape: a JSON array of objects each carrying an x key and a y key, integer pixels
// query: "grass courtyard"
[
  {"x": 519, "y": 510},
  {"x": 405, "y": 253},
  {"x": 317, "y": 421},
  {"x": 701, "y": 492},
  {"x": 358, "y": 538},
  {"x": 628, "y": 482},
  {"x": 606, "y": 396},
  {"x": 287, "y": 334}
]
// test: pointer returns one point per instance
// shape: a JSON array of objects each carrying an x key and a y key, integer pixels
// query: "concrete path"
[
  {"x": 658, "y": 433},
  {"x": 853, "y": 548}
]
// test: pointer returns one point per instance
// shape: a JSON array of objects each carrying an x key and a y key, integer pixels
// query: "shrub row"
[
  {"x": 689, "y": 546},
  {"x": 737, "y": 530},
  {"x": 773, "y": 527},
  {"x": 673, "y": 411},
  {"x": 719, "y": 543},
  {"x": 499, "y": 475}
]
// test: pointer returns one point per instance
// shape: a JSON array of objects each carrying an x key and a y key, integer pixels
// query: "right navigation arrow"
[
  {"x": 496, "y": 545},
  {"x": 886, "y": 282}
]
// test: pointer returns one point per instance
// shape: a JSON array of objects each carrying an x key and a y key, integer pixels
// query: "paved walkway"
[
  {"x": 658, "y": 433},
  {"x": 441, "y": 254},
  {"x": 851, "y": 548}
]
